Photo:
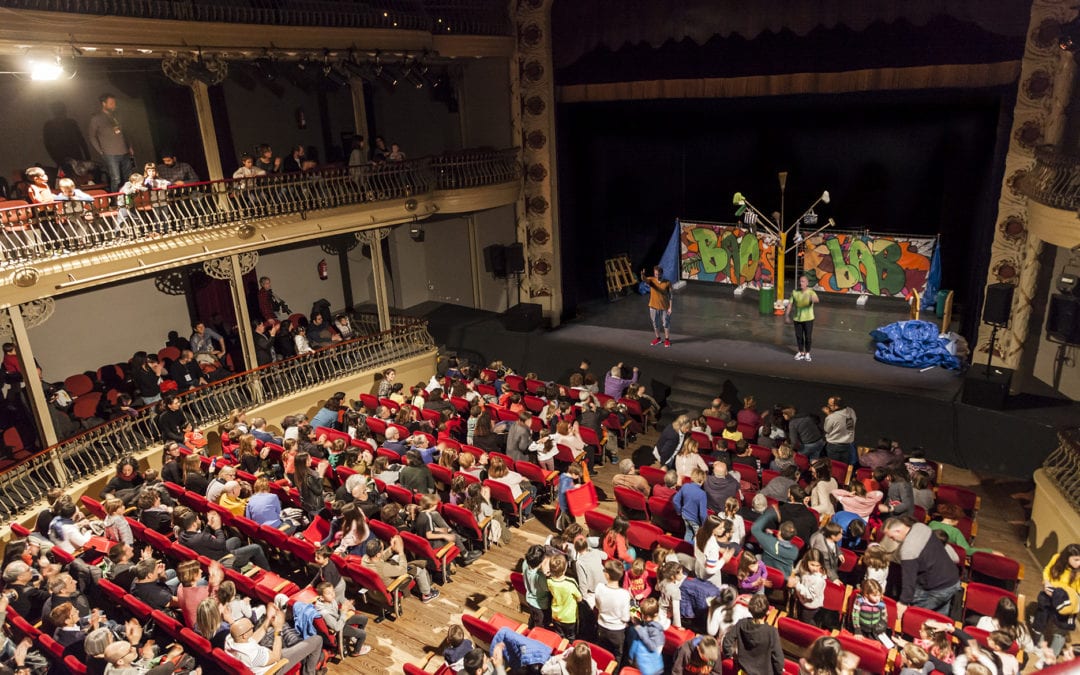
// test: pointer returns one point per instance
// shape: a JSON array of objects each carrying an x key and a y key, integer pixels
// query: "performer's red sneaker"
[
  {"x": 655, "y": 342},
  {"x": 667, "y": 343}
]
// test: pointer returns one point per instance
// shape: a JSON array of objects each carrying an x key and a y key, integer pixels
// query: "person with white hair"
[
  {"x": 231, "y": 498},
  {"x": 393, "y": 441},
  {"x": 615, "y": 384}
]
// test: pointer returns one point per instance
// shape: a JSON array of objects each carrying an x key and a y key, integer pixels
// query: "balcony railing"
[
  {"x": 455, "y": 17},
  {"x": 42, "y": 231},
  {"x": 1054, "y": 180},
  {"x": 1062, "y": 466},
  {"x": 97, "y": 449}
]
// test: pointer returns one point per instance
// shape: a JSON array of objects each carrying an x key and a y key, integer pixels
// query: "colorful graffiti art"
[
  {"x": 857, "y": 262},
  {"x": 727, "y": 254}
]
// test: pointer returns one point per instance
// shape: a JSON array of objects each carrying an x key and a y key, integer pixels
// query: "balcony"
[
  {"x": 96, "y": 450},
  {"x": 1053, "y": 186},
  {"x": 469, "y": 17},
  {"x": 54, "y": 248}
]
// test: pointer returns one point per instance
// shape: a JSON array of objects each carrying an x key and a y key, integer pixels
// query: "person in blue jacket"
[
  {"x": 691, "y": 502},
  {"x": 647, "y": 640}
]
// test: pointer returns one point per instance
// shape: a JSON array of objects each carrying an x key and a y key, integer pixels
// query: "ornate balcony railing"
[
  {"x": 1062, "y": 466},
  {"x": 456, "y": 17},
  {"x": 42, "y": 231},
  {"x": 1054, "y": 180},
  {"x": 97, "y": 449}
]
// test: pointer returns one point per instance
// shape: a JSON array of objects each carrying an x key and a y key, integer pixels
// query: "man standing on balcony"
[
  {"x": 270, "y": 304},
  {"x": 108, "y": 140}
]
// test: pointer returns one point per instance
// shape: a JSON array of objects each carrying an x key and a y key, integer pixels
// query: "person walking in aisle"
[
  {"x": 803, "y": 300},
  {"x": 659, "y": 304}
]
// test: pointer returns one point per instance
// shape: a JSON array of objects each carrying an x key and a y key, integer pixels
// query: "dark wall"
[{"x": 905, "y": 162}]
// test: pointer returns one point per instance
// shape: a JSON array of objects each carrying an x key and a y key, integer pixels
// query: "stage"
[{"x": 722, "y": 343}]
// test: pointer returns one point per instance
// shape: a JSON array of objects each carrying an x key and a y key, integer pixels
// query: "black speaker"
[
  {"x": 495, "y": 260},
  {"x": 1063, "y": 319},
  {"x": 515, "y": 258},
  {"x": 523, "y": 317},
  {"x": 998, "y": 305},
  {"x": 987, "y": 389}
]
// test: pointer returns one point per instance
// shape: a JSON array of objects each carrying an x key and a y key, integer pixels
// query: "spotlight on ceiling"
[
  {"x": 46, "y": 70},
  {"x": 416, "y": 231},
  {"x": 265, "y": 67},
  {"x": 335, "y": 76},
  {"x": 413, "y": 75},
  {"x": 387, "y": 77}
]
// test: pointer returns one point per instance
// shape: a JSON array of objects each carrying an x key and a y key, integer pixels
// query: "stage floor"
[{"x": 711, "y": 327}]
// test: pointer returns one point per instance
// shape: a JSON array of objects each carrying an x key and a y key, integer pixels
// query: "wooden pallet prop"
[{"x": 619, "y": 275}]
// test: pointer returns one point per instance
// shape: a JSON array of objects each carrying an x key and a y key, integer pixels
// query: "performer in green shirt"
[{"x": 803, "y": 300}]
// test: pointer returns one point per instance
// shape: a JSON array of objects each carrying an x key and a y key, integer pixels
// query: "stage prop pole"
[
  {"x": 781, "y": 248},
  {"x": 778, "y": 231}
]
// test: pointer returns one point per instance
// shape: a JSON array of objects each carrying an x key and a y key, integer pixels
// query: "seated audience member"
[
  {"x": 126, "y": 483},
  {"x": 244, "y": 643},
  {"x": 430, "y": 525},
  {"x": 247, "y": 169},
  {"x": 68, "y": 192},
  {"x": 628, "y": 477},
  {"x": 30, "y": 597},
  {"x": 217, "y": 484},
  {"x": 885, "y": 454},
  {"x": 38, "y": 190},
  {"x": 415, "y": 475},
  {"x": 797, "y": 513},
  {"x": 186, "y": 372},
  {"x": 688, "y": 459},
  {"x": 391, "y": 563},
  {"x": 232, "y": 498},
  {"x": 777, "y": 488},
  {"x": 150, "y": 587},
  {"x": 858, "y": 501},
  {"x": 264, "y": 505},
  {"x": 64, "y": 532},
  {"x": 214, "y": 543},
  {"x": 176, "y": 173},
  {"x": 950, "y": 516},
  {"x": 669, "y": 487},
  {"x": 341, "y": 619}
]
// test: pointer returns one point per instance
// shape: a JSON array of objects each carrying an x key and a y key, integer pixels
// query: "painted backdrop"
[
  {"x": 727, "y": 254},
  {"x": 858, "y": 262}
]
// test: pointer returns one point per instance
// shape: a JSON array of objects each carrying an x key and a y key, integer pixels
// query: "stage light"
[
  {"x": 386, "y": 77},
  {"x": 1069, "y": 37},
  {"x": 334, "y": 76},
  {"x": 265, "y": 68},
  {"x": 825, "y": 197},
  {"x": 413, "y": 76},
  {"x": 416, "y": 231},
  {"x": 46, "y": 70}
]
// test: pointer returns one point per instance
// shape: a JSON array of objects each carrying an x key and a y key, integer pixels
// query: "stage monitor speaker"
[
  {"x": 998, "y": 305},
  {"x": 523, "y": 317},
  {"x": 987, "y": 389},
  {"x": 495, "y": 260},
  {"x": 515, "y": 258},
  {"x": 1063, "y": 319}
]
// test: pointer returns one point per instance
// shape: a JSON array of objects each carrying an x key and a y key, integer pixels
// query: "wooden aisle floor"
[{"x": 416, "y": 637}]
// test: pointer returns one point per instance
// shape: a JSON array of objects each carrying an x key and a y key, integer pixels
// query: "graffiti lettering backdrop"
[
  {"x": 727, "y": 254},
  {"x": 856, "y": 262}
]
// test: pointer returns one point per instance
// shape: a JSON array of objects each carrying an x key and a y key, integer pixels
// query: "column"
[
  {"x": 1045, "y": 87},
  {"x": 474, "y": 259},
  {"x": 39, "y": 406},
  {"x": 533, "y": 99},
  {"x": 205, "y": 116},
  {"x": 373, "y": 240},
  {"x": 243, "y": 317}
]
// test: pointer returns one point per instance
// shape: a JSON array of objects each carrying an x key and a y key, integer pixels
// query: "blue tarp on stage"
[{"x": 913, "y": 344}]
